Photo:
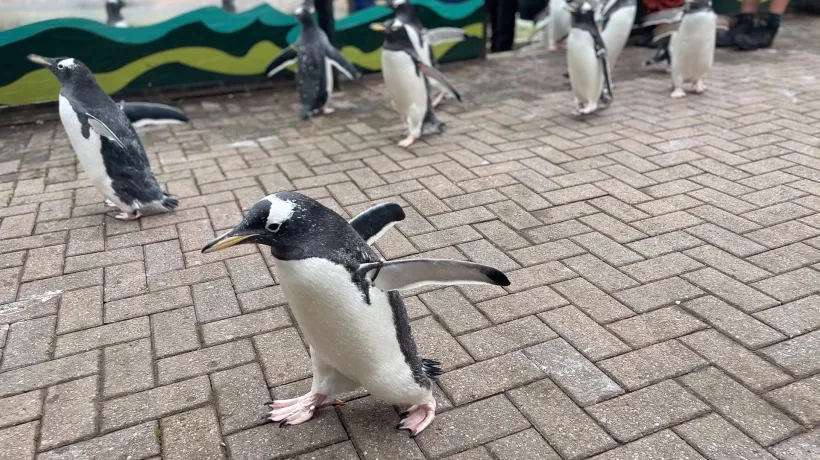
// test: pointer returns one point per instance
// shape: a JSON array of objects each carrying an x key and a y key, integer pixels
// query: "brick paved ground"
[{"x": 664, "y": 258}]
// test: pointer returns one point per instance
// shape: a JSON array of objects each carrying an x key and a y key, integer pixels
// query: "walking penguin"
[
  {"x": 587, "y": 61},
  {"x": 347, "y": 304},
  {"x": 407, "y": 76},
  {"x": 692, "y": 47},
  {"x": 105, "y": 141},
  {"x": 315, "y": 57}
]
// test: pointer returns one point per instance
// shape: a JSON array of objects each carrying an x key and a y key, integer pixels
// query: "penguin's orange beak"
[
  {"x": 43, "y": 61},
  {"x": 225, "y": 241},
  {"x": 377, "y": 27}
]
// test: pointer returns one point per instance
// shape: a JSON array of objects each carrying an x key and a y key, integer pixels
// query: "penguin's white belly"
[
  {"x": 328, "y": 81},
  {"x": 692, "y": 46},
  {"x": 88, "y": 151},
  {"x": 357, "y": 339},
  {"x": 617, "y": 32},
  {"x": 585, "y": 72},
  {"x": 406, "y": 87},
  {"x": 560, "y": 22}
]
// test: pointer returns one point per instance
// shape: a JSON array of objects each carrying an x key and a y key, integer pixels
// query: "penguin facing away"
[
  {"x": 114, "y": 14},
  {"x": 229, "y": 6},
  {"x": 424, "y": 39},
  {"x": 149, "y": 113},
  {"x": 315, "y": 57},
  {"x": 692, "y": 47},
  {"x": 407, "y": 77},
  {"x": 587, "y": 59},
  {"x": 618, "y": 17},
  {"x": 347, "y": 304},
  {"x": 106, "y": 143}
]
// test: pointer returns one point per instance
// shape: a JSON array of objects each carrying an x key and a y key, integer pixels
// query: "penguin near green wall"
[
  {"x": 587, "y": 60},
  {"x": 347, "y": 304},
  {"x": 105, "y": 141},
  {"x": 407, "y": 77},
  {"x": 315, "y": 58},
  {"x": 113, "y": 13}
]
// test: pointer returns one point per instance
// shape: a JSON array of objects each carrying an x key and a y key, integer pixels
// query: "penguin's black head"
[
  {"x": 113, "y": 8},
  {"x": 394, "y": 32},
  {"x": 304, "y": 13},
  {"x": 290, "y": 223},
  {"x": 68, "y": 70},
  {"x": 582, "y": 12},
  {"x": 693, "y": 6}
]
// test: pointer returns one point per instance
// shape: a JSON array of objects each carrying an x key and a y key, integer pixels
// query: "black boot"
[
  {"x": 744, "y": 23},
  {"x": 761, "y": 36}
]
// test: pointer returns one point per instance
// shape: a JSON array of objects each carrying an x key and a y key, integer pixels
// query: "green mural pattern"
[{"x": 205, "y": 46}]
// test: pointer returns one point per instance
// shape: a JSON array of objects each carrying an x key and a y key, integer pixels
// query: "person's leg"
[
  {"x": 744, "y": 23},
  {"x": 763, "y": 35},
  {"x": 504, "y": 31},
  {"x": 324, "y": 13}
]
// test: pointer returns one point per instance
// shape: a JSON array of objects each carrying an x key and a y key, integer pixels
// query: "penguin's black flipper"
[
  {"x": 287, "y": 57},
  {"x": 409, "y": 274},
  {"x": 375, "y": 221},
  {"x": 432, "y": 72},
  {"x": 607, "y": 77},
  {"x": 341, "y": 64},
  {"x": 144, "y": 113},
  {"x": 103, "y": 131}
]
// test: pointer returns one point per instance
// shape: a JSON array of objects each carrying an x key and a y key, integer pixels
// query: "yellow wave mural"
[{"x": 41, "y": 86}]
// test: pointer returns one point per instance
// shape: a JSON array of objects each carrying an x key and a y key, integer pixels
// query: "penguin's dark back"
[{"x": 311, "y": 71}]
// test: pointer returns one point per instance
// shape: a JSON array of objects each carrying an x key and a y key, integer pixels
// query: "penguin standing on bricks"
[
  {"x": 315, "y": 57},
  {"x": 113, "y": 13},
  {"x": 692, "y": 47},
  {"x": 424, "y": 39},
  {"x": 406, "y": 76},
  {"x": 347, "y": 304},
  {"x": 587, "y": 61},
  {"x": 105, "y": 141},
  {"x": 618, "y": 17}
]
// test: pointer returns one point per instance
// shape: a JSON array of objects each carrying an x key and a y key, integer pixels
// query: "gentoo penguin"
[
  {"x": 406, "y": 76},
  {"x": 587, "y": 61},
  {"x": 557, "y": 24},
  {"x": 149, "y": 113},
  {"x": 228, "y": 6},
  {"x": 105, "y": 141},
  {"x": 664, "y": 23},
  {"x": 424, "y": 39},
  {"x": 346, "y": 303},
  {"x": 113, "y": 13},
  {"x": 618, "y": 17},
  {"x": 314, "y": 70},
  {"x": 692, "y": 47}
]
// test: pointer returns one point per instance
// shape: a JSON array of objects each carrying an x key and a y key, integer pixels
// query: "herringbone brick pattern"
[{"x": 664, "y": 258}]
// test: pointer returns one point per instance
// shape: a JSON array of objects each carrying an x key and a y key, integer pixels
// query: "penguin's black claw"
[
  {"x": 398, "y": 426},
  {"x": 268, "y": 403},
  {"x": 283, "y": 423},
  {"x": 404, "y": 414}
]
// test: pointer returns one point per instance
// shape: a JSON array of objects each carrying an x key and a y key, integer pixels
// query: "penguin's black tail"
[
  {"x": 169, "y": 202},
  {"x": 431, "y": 368}
]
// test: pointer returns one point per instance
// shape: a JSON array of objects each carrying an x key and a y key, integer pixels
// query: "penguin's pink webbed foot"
[
  {"x": 438, "y": 99},
  {"x": 699, "y": 87},
  {"x": 295, "y": 411},
  {"x": 128, "y": 215},
  {"x": 552, "y": 47},
  {"x": 407, "y": 141},
  {"x": 678, "y": 93},
  {"x": 328, "y": 110},
  {"x": 418, "y": 417}
]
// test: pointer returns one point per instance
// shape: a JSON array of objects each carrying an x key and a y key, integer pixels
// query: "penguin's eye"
[
  {"x": 60, "y": 66},
  {"x": 273, "y": 228}
]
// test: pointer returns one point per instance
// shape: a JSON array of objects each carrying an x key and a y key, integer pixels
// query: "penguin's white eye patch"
[
  {"x": 66, "y": 64},
  {"x": 273, "y": 228}
]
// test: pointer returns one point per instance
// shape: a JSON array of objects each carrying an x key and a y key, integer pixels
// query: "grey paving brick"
[
  {"x": 513, "y": 215},
  {"x": 546, "y": 252},
  {"x": 154, "y": 403},
  {"x": 436, "y": 343},
  {"x": 101, "y": 336},
  {"x": 127, "y": 368},
  {"x": 568, "y": 429},
  {"x": 657, "y": 294},
  {"x": 652, "y": 364},
  {"x": 749, "y": 412},
  {"x": 371, "y": 425},
  {"x": 663, "y": 444},
  {"x": 506, "y": 337},
  {"x": 797, "y": 355},
  {"x": 48, "y": 373},
  {"x": 29, "y": 342},
  {"x": 745, "y": 366},
  {"x": 522, "y": 445},
  {"x": 147, "y": 304},
  {"x": 733, "y": 266},
  {"x": 249, "y": 273},
  {"x": 483, "y": 252},
  {"x": 666, "y": 223},
  {"x": 786, "y": 258},
  {"x": 599, "y": 305},
  {"x": 80, "y": 309},
  {"x": 69, "y": 413},
  {"x": 174, "y": 332},
  {"x": 716, "y": 438},
  {"x": 191, "y": 435},
  {"x": 15, "y": 410},
  {"x": 284, "y": 358},
  {"x": 478, "y": 453},
  {"x": 241, "y": 393},
  {"x": 489, "y": 377},
  {"x": 271, "y": 442},
  {"x": 520, "y": 304},
  {"x": 661, "y": 267},
  {"x": 204, "y": 360},
  {"x": 801, "y": 399},
  {"x": 647, "y": 410},
  {"x": 806, "y": 445},
  {"x": 600, "y": 273},
  {"x": 215, "y": 300},
  {"x": 135, "y": 442},
  {"x": 341, "y": 451},
  {"x": 665, "y": 243},
  {"x": 244, "y": 325},
  {"x": 261, "y": 299},
  {"x": 586, "y": 335},
  {"x": 44, "y": 262},
  {"x": 474, "y": 424},
  {"x": 607, "y": 249},
  {"x": 454, "y": 311},
  {"x": 556, "y": 231},
  {"x": 731, "y": 321},
  {"x": 790, "y": 286},
  {"x": 655, "y": 326},
  {"x": 782, "y": 234},
  {"x": 444, "y": 238},
  {"x": 744, "y": 297},
  {"x": 576, "y": 375},
  {"x": 18, "y": 441},
  {"x": 794, "y": 318},
  {"x": 726, "y": 240}
]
